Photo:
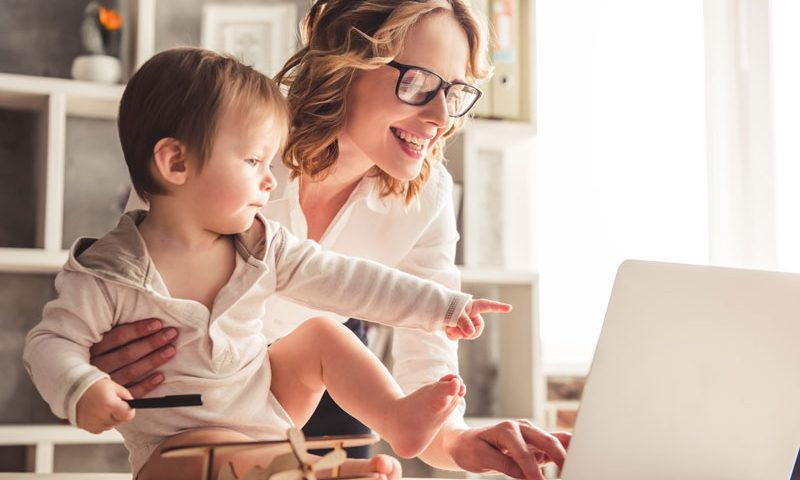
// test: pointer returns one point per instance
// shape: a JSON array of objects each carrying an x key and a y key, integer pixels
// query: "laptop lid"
[{"x": 696, "y": 376}]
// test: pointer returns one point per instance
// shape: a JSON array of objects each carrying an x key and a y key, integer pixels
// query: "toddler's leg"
[
  {"x": 191, "y": 468},
  {"x": 322, "y": 353}
]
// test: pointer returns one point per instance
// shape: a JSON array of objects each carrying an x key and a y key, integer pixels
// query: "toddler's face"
[{"x": 236, "y": 179}]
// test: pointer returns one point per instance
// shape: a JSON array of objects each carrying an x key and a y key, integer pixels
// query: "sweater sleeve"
[
  {"x": 56, "y": 351},
  {"x": 361, "y": 288}
]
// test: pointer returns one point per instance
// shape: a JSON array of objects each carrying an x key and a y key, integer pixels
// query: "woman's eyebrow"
[{"x": 456, "y": 80}]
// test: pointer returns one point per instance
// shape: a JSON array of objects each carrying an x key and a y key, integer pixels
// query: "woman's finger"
[
  {"x": 136, "y": 371},
  {"x": 511, "y": 441},
  {"x": 124, "y": 334},
  {"x": 140, "y": 389},
  {"x": 492, "y": 459},
  {"x": 545, "y": 442},
  {"x": 132, "y": 352},
  {"x": 564, "y": 438}
]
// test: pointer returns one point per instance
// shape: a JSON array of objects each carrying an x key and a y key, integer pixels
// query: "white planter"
[{"x": 96, "y": 68}]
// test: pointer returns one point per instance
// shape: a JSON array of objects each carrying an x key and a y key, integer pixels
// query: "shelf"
[
  {"x": 83, "y": 99},
  {"x": 510, "y": 343},
  {"x": 490, "y": 126},
  {"x": 497, "y": 276},
  {"x": 31, "y": 260}
]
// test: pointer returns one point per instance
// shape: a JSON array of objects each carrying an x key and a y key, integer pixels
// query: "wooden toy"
[{"x": 292, "y": 460}]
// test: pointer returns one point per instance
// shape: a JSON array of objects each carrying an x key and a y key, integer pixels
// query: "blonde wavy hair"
[{"x": 341, "y": 38}]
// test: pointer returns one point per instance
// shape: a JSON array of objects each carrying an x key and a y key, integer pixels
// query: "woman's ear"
[{"x": 170, "y": 161}]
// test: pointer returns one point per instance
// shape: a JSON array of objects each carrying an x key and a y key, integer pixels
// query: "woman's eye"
[{"x": 253, "y": 162}]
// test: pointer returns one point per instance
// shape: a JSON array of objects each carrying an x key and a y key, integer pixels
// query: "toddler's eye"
[{"x": 253, "y": 162}]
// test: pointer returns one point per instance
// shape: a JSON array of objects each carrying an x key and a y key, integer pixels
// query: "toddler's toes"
[
  {"x": 386, "y": 465},
  {"x": 451, "y": 384}
]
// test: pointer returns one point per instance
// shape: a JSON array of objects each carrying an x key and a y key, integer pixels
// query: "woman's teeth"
[{"x": 416, "y": 143}]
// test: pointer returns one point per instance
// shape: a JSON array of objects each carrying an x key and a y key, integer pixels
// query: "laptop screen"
[{"x": 694, "y": 376}]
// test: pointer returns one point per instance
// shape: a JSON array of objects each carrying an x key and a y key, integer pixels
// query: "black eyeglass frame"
[{"x": 443, "y": 85}]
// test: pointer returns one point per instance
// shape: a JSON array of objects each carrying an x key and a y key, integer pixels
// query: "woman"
[{"x": 374, "y": 93}]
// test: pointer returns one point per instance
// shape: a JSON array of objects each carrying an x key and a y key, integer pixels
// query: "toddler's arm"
[
  {"x": 56, "y": 351},
  {"x": 365, "y": 289},
  {"x": 360, "y": 288}
]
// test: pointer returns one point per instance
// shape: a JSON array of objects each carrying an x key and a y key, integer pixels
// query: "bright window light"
[
  {"x": 621, "y": 162},
  {"x": 786, "y": 105}
]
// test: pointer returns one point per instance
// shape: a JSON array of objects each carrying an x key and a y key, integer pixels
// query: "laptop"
[{"x": 696, "y": 376}]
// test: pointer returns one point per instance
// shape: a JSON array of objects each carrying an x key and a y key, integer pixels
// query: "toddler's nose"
[{"x": 268, "y": 182}]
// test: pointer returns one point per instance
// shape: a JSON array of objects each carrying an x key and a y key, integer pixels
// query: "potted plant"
[{"x": 100, "y": 37}]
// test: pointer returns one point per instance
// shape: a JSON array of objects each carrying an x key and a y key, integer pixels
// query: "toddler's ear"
[{"x": 170, "y": 161}]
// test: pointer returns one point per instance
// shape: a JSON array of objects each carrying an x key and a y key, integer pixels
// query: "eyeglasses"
[{"x": 417, "y": 86}]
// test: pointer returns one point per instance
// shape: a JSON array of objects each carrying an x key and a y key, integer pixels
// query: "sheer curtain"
[
  {"x": 621, "y": 155},
  {"x": 786, "y": 93},
  {"x": 668, "y": 130}
]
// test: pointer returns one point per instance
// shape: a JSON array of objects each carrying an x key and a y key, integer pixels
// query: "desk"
[
  {"x": 65, "y": 476},
  {"x": 91, "y": 476},
  {"x": 88, "y": 476}
]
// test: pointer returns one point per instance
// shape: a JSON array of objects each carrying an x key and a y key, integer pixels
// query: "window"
[
  {"x": 621, "y": 157},
  {"x": 786, "y": 104}
]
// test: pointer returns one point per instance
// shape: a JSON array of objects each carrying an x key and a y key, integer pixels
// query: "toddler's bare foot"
[{"x": 417, "y": 418}]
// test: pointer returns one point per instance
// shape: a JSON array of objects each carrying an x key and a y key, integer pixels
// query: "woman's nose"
[{"x": 436, "y": 110}]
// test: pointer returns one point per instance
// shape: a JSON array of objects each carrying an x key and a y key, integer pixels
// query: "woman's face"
[{"x": 380, "y": 129}]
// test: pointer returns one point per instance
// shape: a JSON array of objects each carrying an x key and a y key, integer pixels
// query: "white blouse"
[{"x": 419, "y": 239}]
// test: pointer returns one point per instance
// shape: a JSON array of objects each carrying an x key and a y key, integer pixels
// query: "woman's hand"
[
  {"x": 517, "y": 449},
  {"x": 130, "y": 353},
  {"x": 470, "y": 323}
]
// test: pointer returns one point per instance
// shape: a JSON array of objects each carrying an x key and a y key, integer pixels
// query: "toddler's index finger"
[{"x": 483, "y": 305}]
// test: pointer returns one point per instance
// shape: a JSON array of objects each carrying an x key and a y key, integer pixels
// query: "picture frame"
[{"x": 264, "y": 36}]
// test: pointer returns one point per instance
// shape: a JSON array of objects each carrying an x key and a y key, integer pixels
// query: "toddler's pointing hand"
[{"x": 470, "y": 322}]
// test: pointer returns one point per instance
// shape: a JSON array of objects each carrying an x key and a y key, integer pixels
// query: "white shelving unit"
[
  {"x": 54, "y": 99},
  {"x": 494, "y": 162},
  {"x": 520, "y": 382}
]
